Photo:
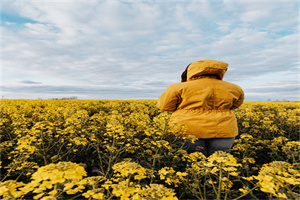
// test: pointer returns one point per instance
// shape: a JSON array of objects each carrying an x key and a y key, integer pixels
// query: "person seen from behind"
[{"x": 203, "y": 102}]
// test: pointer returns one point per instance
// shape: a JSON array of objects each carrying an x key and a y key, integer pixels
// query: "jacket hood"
[{"x": 206, "y": 67}]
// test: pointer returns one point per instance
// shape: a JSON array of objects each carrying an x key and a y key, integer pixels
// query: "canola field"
[{"x": 127, "y": 149}]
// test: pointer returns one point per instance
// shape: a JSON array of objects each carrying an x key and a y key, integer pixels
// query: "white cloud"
[
  {"x": 129, "y": 45},
  {"x": 254, "y": 15}
]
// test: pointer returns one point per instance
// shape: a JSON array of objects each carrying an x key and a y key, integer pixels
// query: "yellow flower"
[
  {"x": 38, "y": 196},
  {"x": 124, "y": 190},
  {"x": 171, "y": 176},
  {"x": 244, "y": 190},
  {"x": 157, "y": 191},
  {"x": 248, "y": 160},
  {"x": 80, "y": 141},
  {"x": 47, "y": 198},
  {"x": 127, "y": 168},
  {"x": 11, "y": 188},
  {"x": 275, "y": 176},
  {"x": 181, "y": 175},
  {"x": 194, "y": 157},
  {"x": 46, "y": 185},
  {"x": 60, "y": 174},
  {"x": 53, "y": 192},
  {"x": 246, "y": 124},
  {"x": 246, "y": 136},
  {"x": 222, "y": 160},
  {"x": 234, "y": 173},
  {"x": 98, "y": 196}
]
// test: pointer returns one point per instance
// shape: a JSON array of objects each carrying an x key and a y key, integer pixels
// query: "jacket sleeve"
[
  {"x": 238, "y": 102},
  {"x": 169, "y": 99}
]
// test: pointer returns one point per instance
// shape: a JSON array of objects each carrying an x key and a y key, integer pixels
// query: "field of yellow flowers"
[{"x": 127, "y": 149}]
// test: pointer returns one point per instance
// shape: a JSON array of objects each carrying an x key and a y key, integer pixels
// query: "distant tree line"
[{"x": 72, "y": 97}]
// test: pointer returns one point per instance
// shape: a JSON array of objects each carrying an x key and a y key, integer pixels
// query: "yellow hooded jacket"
[{"x": 203, "y": 103}]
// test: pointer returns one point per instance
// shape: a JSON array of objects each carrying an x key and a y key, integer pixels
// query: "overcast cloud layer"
[{"x": 130, "y": 49}]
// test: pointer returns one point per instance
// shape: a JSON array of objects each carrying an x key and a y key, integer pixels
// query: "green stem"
[
  {"x": 200, "y": 192},
  {"x": 204, "y": 188},
  {"x": 43, "y": 149},
  {"x": 12, "y": 196},
  {"x": 246, "y": 193},
  {"x": 220, "y": 183},
  {"x": 226, "y": 194},
  {"x": 12, "y": 168},
  {"x": 290, "y": 192},
  {"x": 189, "y": 188},
  {"x": 20, "y": 175},
  {"x": 110, "y": 157},
  {"x": 156, "y": 152},
  {"x": 100, "y": 158},
  {"x": 212, "y": 183}
]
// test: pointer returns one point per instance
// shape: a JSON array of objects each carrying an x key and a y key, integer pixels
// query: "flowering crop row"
[{"x": 127, "y": 149}]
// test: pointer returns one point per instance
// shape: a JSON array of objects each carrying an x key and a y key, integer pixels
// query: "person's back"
[
  {"x": 208, "y": 93},
  {"x": 203, "y": 103}
]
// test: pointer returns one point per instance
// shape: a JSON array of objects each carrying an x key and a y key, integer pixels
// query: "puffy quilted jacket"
[{"x": 204, "y": 102}]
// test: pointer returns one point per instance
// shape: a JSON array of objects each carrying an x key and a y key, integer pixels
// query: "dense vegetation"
[{"x": 127, "y": 149}]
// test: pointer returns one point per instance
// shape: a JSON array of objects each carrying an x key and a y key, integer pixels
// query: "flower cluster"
[
  {"x": 278, "y": 178},
  {"x": 127, "y": 149}
]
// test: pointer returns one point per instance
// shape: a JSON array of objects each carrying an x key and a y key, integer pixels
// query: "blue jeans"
[{"x": 209, "y": 146}]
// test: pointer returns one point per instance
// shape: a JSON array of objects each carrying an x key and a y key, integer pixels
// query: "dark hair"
[{"x": 184, "y": 74}]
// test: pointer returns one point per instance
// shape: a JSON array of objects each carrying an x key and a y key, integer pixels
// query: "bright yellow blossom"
[
  {"x": 275, "y": 177},
  {"x": 11, "y": 189}
]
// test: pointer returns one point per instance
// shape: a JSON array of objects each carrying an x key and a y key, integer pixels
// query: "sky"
[{"x": 134, "y": 49}]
